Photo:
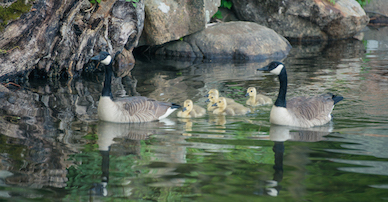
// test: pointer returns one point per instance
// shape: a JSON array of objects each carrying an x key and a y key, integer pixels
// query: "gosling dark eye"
[{"x": 251, "y": 91}]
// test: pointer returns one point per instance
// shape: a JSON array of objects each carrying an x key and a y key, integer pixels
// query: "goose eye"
[{"x": 251, "y": 91}]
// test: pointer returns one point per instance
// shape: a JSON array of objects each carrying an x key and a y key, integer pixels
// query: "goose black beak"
[
  {"x": 214, "y": 105},
  {"x": 207, "y": 95},
  {"x": 184, "y": 109},
  {"x": 246, "y": 95},
  {"x": 207, "y": 100},
  {"x": 266, "y": 68}
]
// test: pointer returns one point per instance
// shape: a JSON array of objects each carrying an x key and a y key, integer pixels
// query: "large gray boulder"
[
  {"x": 234, "y": 40},
  {"x": 168, "y": 20},
  {"x": 312, "y": 19}
]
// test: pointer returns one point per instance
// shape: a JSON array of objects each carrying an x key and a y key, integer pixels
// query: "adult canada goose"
[
  {"x": 224, "y": 109},
  {"x": 134, "y": 109},
  {"x": 216, "y": 94},
  {"x": 299, "y": 111},
  {"x": 256, "y": 99},
  {"x": 191, "y": 110}
]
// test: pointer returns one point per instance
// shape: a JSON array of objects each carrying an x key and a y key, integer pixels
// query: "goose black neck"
[
  {"x": 107, "y": 90},
  {"x": 281, "y": 100}
]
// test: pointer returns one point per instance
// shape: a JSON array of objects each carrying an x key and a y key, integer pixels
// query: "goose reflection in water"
[
  {"x": 132, "y": 135},
  {"x": 279, "y": 134}
]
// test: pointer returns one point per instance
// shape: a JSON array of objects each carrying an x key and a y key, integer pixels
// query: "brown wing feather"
[
  {"x": 310, "y": 108},
  {"x": 142, "y": 109}
]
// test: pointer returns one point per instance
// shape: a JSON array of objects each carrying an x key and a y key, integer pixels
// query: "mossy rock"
[{"x": 12, "y": 12}]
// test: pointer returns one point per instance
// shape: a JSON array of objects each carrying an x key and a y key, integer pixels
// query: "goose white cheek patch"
[
  {"x": 107, "y": 60},
  {"x": 277, "y": 70}
]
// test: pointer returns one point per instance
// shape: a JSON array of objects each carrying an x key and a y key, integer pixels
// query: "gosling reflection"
[
  {"x": 279, "y": 134},
  {"x": 219, "y": 122},
  {"x": 187, "y": 128},
  {"x": 130, "y": 134}
]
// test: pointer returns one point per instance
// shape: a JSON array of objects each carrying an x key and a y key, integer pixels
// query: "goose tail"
[{"x": 175, "y": 106}]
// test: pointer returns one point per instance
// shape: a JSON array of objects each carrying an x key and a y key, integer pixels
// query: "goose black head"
[
  {"x": 104, "y": 57},
  {"x": 273, "y": 67}
]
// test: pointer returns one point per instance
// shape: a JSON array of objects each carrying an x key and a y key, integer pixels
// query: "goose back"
[
  {"x": 304, "y": 111},
  {"x": 134, "y": 109}
]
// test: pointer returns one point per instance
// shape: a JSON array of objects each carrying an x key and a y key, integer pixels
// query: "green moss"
[
  {"x": 13, "y": 151},
  {"x": 12, "y": 12}
]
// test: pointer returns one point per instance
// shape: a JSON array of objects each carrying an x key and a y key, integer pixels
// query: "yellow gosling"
[
  {"x": 190, "y": 110},
  {"x": 216, "y": 94},
  {"x": 211, "y": 99},
  {"x": 256, "y": 99},
  {"x": 224, "y": 109}
]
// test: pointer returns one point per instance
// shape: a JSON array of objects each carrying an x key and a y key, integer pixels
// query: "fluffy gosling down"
[
  {"x": 299, "y": 111},
  {"x": 134, "y": 109},
  {"x": 256, "y": 99},
  {"x": 190, "y": 110},
  {"x": 232, "y": 110},
  {"x": 213, "y": 96},
  {"x": 216, "y": 95},
  {"x": 211, "y": 99}
]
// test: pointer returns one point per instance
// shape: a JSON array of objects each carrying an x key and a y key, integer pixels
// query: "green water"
[{"x": 66, "y": 154}]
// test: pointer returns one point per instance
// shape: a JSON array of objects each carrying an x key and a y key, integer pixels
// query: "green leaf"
[
  {"x": 94, "y": 1},
  {"x": 218, "y": 15},
  {"x": 227, "y": 4},
  {"x": 363, "y": 2}
]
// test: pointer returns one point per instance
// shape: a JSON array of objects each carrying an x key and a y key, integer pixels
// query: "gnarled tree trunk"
[{"x": 61, "y": 36}]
